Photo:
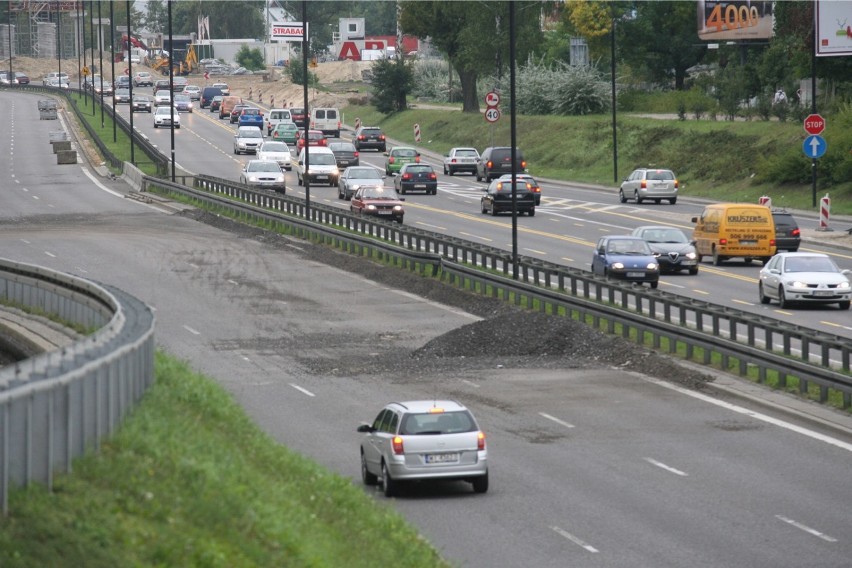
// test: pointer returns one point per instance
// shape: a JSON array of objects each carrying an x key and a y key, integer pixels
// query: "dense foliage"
[
  {"x": 251, "y": 59},
  {"x": 393, "y": 80}
]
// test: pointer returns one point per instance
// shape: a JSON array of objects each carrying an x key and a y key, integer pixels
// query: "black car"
[
  {"x": 497, "y": 197},
  {"x": 141, "y": 103},
  {"x": 345, "y": 154},
  {"x": 671, "y": 247},
  {"x": 369, "y": 137},
  {"x": 497, "y": 160},
  {"x": 788, "y": 237},
  {"x": 207, "y": 94},
  {"x": 416, "y": 177},
  {"x": 216, "y": 103}
]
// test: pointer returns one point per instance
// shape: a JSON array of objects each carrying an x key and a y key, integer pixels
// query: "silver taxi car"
[{"x": 423, "y": 440}]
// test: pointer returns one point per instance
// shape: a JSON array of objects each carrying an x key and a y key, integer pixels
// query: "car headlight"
[
  {"x": 797, "y": 284},
  {"x": 252, "y": 178},
  {"x": 691, "y": 255},
  {"x": 397, "y": 208},
  {"x": 843, "y": 286},
  {"x": 371, "y": 207},
  {"x": 618, "y": 265},
  {"x": 652, "y": 266}
]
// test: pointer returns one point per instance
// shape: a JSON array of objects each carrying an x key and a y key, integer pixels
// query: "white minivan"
[
  {"x": 327, "y": 120},
  {"x": 323, "y": 166},
  {"x": 275, "y": 116}
]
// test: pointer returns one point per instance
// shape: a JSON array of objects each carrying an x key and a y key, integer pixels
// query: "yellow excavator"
[{"x": 189, "y": 64}]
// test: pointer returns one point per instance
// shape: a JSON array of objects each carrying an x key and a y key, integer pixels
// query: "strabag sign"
[{"x": 288, "y": 31}]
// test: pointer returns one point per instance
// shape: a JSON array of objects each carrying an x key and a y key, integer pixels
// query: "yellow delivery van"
[{"x": 734, "y": 230}]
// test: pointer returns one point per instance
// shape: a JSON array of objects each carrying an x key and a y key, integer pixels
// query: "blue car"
[
  {"x": 183, "y": 103},
  {"x": 251, "y": 116},
  {"x": 626, "y": 258}
]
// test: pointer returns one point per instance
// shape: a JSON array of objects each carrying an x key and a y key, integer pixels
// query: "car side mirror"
[
  {"x": 693, "y": 242},
  {"x": 695, "y": 219},
  {"x": 401, "y": 198},
  {"x": 365, "y": 428},
  {"x": 774, "y": 271},
  {"x": 301, "y": 163},
  {"x": 386, "y": 154},
  {"x": 846, "y": 272}
]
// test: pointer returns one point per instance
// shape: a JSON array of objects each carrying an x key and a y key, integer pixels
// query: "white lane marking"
[
  {"x": 99, "y": 184},
  {"x": 234, "y": 282},
  {"x": 652, "y": 461},
  {"x": 193, "y": 265},
  {"x": 750, "y": 413},
  {"x": 486, "y": 239},
  {"x": 553, "y": 418},
  {"x": 50, "y": 254},
  {"x": 471, "y": 383},
  {"x": 304, "y": 390},
  {"x": 574, "y": 539},
  {"x": 36, "y": 197},
  {"x": 245, "y": 358},
  {"x": 81, "y": 270},
  {"x": 25, "y": 241},
  {"x": 431, "y": 226},
  {"x": 192, "y": 331},
  {"x": 806, "y": 528}
]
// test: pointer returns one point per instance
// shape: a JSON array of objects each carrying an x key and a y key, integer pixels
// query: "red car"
[
  {"x": 315, "y": 138},
  {"x": 298, "y": 115},
  {"x": 379, "y": 202}
]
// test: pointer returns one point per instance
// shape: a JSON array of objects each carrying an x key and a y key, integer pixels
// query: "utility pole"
[{"x": 130, "y": 76}]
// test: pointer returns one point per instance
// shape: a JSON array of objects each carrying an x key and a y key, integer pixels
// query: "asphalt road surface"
[{"x": 593, "y": 464}]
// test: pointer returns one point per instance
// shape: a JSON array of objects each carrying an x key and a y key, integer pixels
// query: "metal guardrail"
[
  {"x": 736, "y": 338},
  {"x": 57, "y": 405}
]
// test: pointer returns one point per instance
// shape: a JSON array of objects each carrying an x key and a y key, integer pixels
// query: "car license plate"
[
  {"x": 748, "y": 243},
  {"x": 322, "y": 177},
  {"x": 824, "y": 293},
  {"x": 635, "y": 274},
  {"x": 419, "y": 186},
  {"x": 442, "y": 458}
]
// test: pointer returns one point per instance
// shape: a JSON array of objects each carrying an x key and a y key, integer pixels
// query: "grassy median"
[{"x": 189, "y": 480}]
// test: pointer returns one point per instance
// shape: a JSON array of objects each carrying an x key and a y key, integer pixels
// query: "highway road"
[
  {"x": 565, "y": 229},
  {"x": 591, "y": 466}
]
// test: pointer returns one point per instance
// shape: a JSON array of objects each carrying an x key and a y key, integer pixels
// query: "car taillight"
[
  {"x": 433, "y": 176},
  {"x": 480, "y": 441},
  {"x": 356, "y": 154},
  {"x": 417, "y": 159},
  {"x": 644, "y": 184},
  {"x": 390, "y": 160},
  {"x": 796, "y": 232},
  {"x": 676, "y": 184},
  {"x": 406, "y": 176},
  {"x": 382, "y": 137},
  {"x": 338, "y": 125},
  {"x": 397, "y": 445},
  {"x": 453, "y": 161},
  {"x": 723, "y": 242},
  {"x": 490, "y": 164},
  {"x": 772, "y": 242},
  {"x": 360, "y": 137},
  {"x": 323, "y": 142},
  {"x": 523, "y": 165}
]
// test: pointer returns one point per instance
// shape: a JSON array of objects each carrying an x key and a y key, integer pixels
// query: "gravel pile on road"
[{"x": 507, "y": 336}]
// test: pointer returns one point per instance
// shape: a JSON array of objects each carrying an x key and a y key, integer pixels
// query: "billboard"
[
  {"x": 735, "y": 20},
  {"x": 288, "y": 31},
  {"x": 833, "y": 28}
]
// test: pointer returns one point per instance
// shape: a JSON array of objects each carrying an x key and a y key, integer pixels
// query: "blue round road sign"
[{"x": 814, "y": 146}]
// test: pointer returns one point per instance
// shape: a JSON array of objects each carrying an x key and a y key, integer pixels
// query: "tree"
[
  {"x": 393, "y": 80},
  {"x": 474, "y": 36},
  {"x": 663, "y": 39},
  {"x": 156, "y": 18},
  {"x": 228, "y": 19},
  {"x": 250, "y": 58}
]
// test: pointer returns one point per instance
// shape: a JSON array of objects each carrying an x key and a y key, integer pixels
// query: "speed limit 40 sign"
[{"x": 492, "y": 114}]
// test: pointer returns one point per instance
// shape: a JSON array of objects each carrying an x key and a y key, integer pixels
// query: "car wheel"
[
  {"x": 483, "y": 208},
  {"x": 717, "y": 258},
  {"x": 637, "y": 198},
  {"x": 478, "y": 178},
  {"x": 367, "y": 477},
  {"x": 480, "y": 484},
  {"x": 621, "y": 196},
  {"x": 673, "y": 200},
  {"x": 401, "y": 190},
  {"x": 844, "y": 305},
  {"x": 693, "y": 270},
  {"x": 435, "y": 191},
  {"x": 531, "y": 212},
  {"x": 782, "y": 299},
  {"x": 155, "y": 125},
  {"x": 657, "y": 201},
  {"x": 299, "y": 180},
  {"x": 765, "y": 260},
  {"x": 399, "y": 220},
  {"x": 388, "y": 485},
  {"x": 764, "y": 299},
  {"x": 339, "y": 193},
  {"x": 493, "y": 210},
  {"x": 654, "y": 285}
]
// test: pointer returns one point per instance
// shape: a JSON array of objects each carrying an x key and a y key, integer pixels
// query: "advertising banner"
[
  {"x": 735, "y": 20},
  {"x": 288, "y": 31},
  {"x": 833, "y": 28}
]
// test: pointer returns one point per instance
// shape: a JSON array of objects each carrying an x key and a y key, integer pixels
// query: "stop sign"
[{"x": 814, "y": 124}]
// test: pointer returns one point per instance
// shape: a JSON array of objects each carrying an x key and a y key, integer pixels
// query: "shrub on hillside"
[{"x": 561, "y": 89}]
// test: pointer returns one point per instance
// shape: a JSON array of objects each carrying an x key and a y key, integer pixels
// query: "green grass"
[
  {"x": 719, "y": 160},
  {"x": 189, "y": 480}
]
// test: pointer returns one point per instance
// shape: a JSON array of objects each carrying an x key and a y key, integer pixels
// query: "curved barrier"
[{"x": 55, "y": 406}]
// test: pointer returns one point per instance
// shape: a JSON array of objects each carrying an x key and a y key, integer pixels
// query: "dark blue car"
[{"x": 626, "y": 258}]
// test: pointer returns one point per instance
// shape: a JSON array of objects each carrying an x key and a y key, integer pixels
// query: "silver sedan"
[
  {"x": 356, "y": 177},
  {"x": 805, "y": 277}
]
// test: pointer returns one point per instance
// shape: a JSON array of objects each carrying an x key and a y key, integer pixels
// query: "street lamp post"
[
  {"x": 112, "y": 61},
  {"x": 130, "y": 83},
  {"x": 171, "y": 88}
]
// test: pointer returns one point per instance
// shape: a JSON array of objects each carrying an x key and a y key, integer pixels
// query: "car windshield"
[
  {"x": 323, "y": 160},
  {"x": 659, "y": 175},
  {"x": 251, "y": 133},
  {"x": 181, "y": 98},
  {"x": 665, "y": 236},
  {"x": 315, "y": 136},
  {"x": 520, "y": 185},
  {"x": 629, "y": 248},
  {"x": 809, "y": 264},
  {"x": 297, "y": 110},
  {"x": 342, "y": 147},
  {"x": 418, "y": 169},
  {"x": 247, "y": 111},
  {"x": 275, "y": 147},
  {"x": 404, "y": 153},
  {"x": 142, "y": 98},
  {"x": 466, "y": 153},
  {"x": 436, "y": 423},
  {"x": 263, "y": 167},
  {"x": 286, "y": 126},
  {"x": 378, "y": 193},
  {"x": 363, "y": 173}
]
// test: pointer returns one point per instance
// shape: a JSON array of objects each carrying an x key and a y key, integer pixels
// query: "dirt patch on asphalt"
[{"x": 506, "y": 337}]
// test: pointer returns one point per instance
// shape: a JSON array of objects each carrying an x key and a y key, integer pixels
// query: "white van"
[
  {"x": 323, "y": 166},
  {"x": 327, "y": 120},
  {"x": 275, "y": 116}
]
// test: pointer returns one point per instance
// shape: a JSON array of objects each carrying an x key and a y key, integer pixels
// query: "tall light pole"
[
  {"x": 306, "y": 177},
  {"x": 101, "y": 61},
  {"x": 130, "y": 85},
  {"x": 112, "y": 61},
  {"x": 614, "y": 130},
  {"x": 171, "y": 88},
  {"x": 513, "y": 137},
  {"x": 92, "y": 43}
]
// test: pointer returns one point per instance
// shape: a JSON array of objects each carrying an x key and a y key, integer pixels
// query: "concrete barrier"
[
  {"x": 66, "y": 157},
  {"x": 61, "y": 146}
]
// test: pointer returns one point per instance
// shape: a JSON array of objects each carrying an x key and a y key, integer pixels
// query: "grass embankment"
[
  {"x": 719, "y": 160},
  {"x": 189, "y": 480}
]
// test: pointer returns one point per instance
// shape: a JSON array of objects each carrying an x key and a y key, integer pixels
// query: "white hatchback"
[{"x": 166, "y": 116}]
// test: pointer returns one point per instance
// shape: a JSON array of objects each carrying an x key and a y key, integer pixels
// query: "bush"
[
  {"x": 393, "y": 80},
  {"x": 251, "y": 59},
  {"x": 296, "y": 74},
  {"x": 561, "y": 89}
]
